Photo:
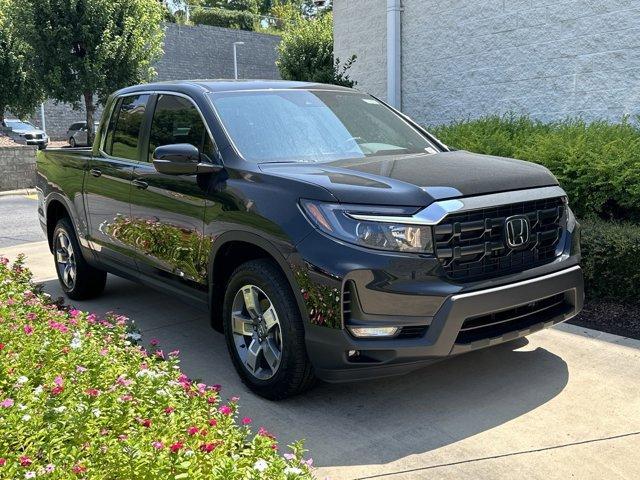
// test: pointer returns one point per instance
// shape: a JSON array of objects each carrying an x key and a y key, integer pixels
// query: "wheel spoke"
[
  {"x": 242, "y": 325},
  {"x": 252, "y": 355},
  {"x": 66, "y": 276},
  {"x": 251, "y": 301},
  {"x": 271, "y": 353},
  {"x": 61, "y": 256},
  {"x": 64, "y": 241},
  {"x": 72, "y": 273},
  {"x": 270, "y": 317}
]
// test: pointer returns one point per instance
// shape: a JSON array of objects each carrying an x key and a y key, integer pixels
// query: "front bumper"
[{"x": 329, "y": 348}]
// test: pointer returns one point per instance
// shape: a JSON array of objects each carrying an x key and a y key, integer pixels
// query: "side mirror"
[{"x": 181, "y": 159}]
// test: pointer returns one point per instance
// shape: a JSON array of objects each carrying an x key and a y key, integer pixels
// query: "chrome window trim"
[
  {"x": 437, "y": 211},
  {"x": 157, "y": 92}
]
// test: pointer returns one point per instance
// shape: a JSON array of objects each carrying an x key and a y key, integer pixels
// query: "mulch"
[{"x": 611, "y": 317}]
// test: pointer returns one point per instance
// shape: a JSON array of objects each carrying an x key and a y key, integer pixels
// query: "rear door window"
[{"x": 123, "y": 136}]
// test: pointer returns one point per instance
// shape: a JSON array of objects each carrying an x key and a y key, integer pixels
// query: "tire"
[
  {"x": 72, "y": 142},
  {"x": 293, "y": 373},
  {"x": 78, "y": 279}
]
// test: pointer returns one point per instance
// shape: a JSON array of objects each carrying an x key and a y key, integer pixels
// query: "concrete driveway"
[{"x": 563, "y": 404}]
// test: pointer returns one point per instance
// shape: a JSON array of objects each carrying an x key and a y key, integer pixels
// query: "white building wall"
[{"x": 464, "y": 59}]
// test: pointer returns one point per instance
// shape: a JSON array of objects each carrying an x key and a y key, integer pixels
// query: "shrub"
[
  {"x": 611, "y": 253},
  {"x": 78, "y": 399},
  {"x": 306, "y": 53},
  {"x": 220, "y": 17},
  {"x": 598, "y": 163}
]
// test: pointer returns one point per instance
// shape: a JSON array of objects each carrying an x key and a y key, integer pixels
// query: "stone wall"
[
  {"x": 17, "y": 167},
  {"x": 464, "y": 59},
  {"x": 190, "y": 52}
]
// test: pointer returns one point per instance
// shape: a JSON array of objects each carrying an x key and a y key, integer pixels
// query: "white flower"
[
  {"x": 22, "y": 406},
  {"x": 22, "y": 380},
  {"x": 292, "y": 471},
  {"x": 38, "y": 390},
  {"x": 260, "y": 465},
  {"x": 26, "y": 417},
  {"x": 60, "y": 409},
  {"x": 162, "y": 392},
  {"x": 189, "y": 453},
  {"x": 76, "y": 342},
  {"x": 30, "y": 475},
  {"x": 96, "y": 412},
  {"x": 81, "y": 407},
  {"x": 134, "y": 336}
]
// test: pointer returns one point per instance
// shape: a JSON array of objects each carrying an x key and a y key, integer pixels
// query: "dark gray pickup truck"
[{"x": 329, "y": 235}]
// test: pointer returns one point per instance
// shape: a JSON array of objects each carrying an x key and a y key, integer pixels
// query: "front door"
[
  {"x": 167, "y": 211},
  {"x": 108, "y": 182}
]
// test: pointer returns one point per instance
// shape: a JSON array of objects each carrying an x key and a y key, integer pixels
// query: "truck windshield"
[{"x": 314, "y": 126}]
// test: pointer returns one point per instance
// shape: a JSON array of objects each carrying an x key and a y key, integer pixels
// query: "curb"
[
  {"x": 21, "y": 191},
  {"x": 598, "y": 335}
]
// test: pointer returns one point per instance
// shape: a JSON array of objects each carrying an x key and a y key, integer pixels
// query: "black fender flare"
[{"x": 267, "y": 246}]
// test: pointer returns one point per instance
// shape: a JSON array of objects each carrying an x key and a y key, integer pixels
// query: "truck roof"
[{"x": 225, "y": 85}]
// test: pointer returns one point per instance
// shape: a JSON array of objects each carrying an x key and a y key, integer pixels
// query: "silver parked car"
[
  {"x": 77, "y": 134},
  {"x": 26, "y": 133}
]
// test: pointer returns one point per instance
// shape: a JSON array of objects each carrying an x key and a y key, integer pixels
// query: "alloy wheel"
[
  {"x": 65, "y": 260},
  {"x": 256, "y": 332}
]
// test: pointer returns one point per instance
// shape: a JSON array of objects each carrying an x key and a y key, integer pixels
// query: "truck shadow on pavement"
[{"x": 375, "y": 422}]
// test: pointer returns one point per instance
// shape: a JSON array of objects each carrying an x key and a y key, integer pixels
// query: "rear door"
[
  {"x": 167, "y": 211},
  {"x": 108, "y": 182}
]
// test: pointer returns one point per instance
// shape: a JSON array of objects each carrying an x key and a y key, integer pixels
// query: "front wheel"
[
  {"x": 264, "y": 331},
  {"x": 78, "y": 279},
  {"x": 72, "y": 142}
]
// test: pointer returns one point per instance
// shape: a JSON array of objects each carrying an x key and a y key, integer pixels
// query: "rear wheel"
[
  {"x": 72, "y": 142},
  {"x": 79, "y": 280},
  {"x": 264, "y": 331}
]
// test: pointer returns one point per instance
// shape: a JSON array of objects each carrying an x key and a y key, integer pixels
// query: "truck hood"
[{"x": 416, "y": 180}]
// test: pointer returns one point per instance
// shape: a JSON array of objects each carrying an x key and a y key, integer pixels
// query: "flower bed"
[{"x": 80, "y": 399}]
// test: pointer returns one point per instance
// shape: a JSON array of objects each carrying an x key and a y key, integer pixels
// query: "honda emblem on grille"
[{"x": 517, "y": 231}]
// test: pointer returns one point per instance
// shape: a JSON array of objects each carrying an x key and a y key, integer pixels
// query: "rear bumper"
[{"x": 328, "y": 348}]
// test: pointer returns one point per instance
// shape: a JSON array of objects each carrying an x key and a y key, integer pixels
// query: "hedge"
[
  {"x": 80, "y": 399},
  {"x": 598, "y": 163},
  {"x": 220, "y": 17},
  {"x": 611, "y": 260}
]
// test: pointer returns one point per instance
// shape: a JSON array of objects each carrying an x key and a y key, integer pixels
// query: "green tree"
[
  {"x": 86, "y": 49},
  {"x": 306, "y": 53},
  {"x": 19, "y": 90}
]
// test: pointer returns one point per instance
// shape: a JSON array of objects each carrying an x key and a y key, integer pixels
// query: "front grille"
[
  {"x": 414, "y": 331},
  {"x": 346, "y": 302},
  {"x": 496, "y": 324},
  {"x": 471, "y": 245}
]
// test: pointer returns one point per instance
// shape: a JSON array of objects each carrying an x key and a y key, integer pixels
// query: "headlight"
[{"x": 337, "y": 221}]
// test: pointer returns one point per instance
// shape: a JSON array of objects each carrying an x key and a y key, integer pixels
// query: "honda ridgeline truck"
[{"x": 329, "y": 235}]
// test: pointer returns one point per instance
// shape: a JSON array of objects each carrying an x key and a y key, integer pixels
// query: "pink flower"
[
  {"x": 1, "y": 346},
  {"x": 216, "y": 387},
  {"x": 74, "y": 313},
  {"x": 31, "y": 316},
  {"x": 2, "y": 461},
  {"x": 57, "y": 390},
  {"x": 159, "y": 354},
  {"x": 146, "y": 422},
  {"x": 176, "y": 447},
  {"x": 59, "y": 381},
  {"x": 4, "y": 261},
  {"x": 246, "y": 421},
  {"x": 104, "y": 352},
  {"x": 92, "y": 318},
  {"x": 174, "y": 353},
  {"x": 308, "y": 462},
  {"x": 80, "y": 369},
  {"x": 208, "y": 447},
  {"x": 79, "y": 469},
  {"x": 213, "y": 422},
  {"x": 212, "y": 399},
  {"x": 28, "y": 329},
  {"x": 263, "y": 432},
  {"x": 7, "y": 402},
  {"x": 169, "y": 410},
  {"x": 157, "y": 445},
  {"x": 192, "y": 430},
  {"x": 25, "y": 461},
  {"x": 92, "y": 392},
  {"x": 225, "y": 410},
  {"x": 154, "y": 342},
  {"x": 235, "y": 399},
  {"x": 289, "y": 456}
]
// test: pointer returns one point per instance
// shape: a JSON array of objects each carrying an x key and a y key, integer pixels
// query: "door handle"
[
  {"x": 140, "y": 184},
  {"x": 95, "y": 172}
]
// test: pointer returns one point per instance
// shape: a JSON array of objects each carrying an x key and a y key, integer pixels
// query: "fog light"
[{"x": 363, "y": 332}]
